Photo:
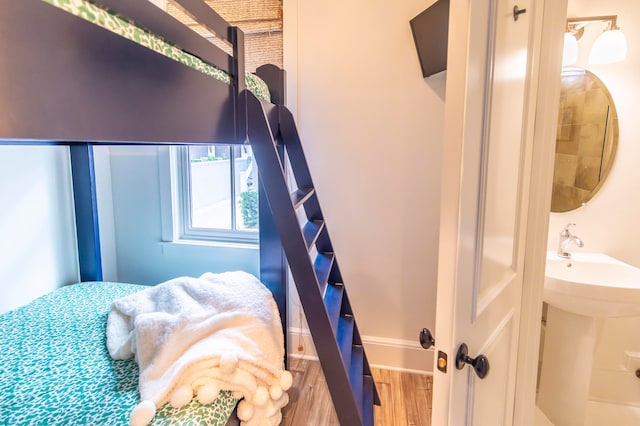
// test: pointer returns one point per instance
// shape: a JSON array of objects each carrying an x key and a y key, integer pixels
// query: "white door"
[{"x": 483, "y": 215}]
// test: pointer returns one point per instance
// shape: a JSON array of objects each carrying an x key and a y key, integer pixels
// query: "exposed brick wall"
[{"x": 260, "y": 20}]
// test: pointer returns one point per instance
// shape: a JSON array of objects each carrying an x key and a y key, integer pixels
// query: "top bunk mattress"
[
  {"x": 90, "y": 12},
  {"x": 55, "y": 368}
]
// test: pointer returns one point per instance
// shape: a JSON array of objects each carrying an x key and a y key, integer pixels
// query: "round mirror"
[{"x": 586, "y": 140}]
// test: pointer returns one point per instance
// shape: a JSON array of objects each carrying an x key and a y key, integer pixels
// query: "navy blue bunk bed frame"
[
  {"x": 72, "y": 81},
  {"x": 65, "y": 81}
]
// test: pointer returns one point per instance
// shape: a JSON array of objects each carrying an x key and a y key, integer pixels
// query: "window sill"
[{"x": 217, "y": 244}]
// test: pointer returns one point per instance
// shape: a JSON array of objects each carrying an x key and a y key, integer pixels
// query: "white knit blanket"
[{"x": 193, "y": 337}]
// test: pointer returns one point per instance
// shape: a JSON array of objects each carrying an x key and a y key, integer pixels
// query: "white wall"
[
  {"x": 609, "y": 223},
  {"x": 141, "y": 255},
  {"x": 38, "y": 245},
  {"x": 372, "y": 129}
]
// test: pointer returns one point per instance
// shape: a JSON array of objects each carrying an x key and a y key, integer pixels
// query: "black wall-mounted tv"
[{"x": 430, "y": 34}]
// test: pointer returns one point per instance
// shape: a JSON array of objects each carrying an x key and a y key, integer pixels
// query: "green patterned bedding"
[
  {"x": 90, "y": 12},
  {"x": 55, "y": 368}
]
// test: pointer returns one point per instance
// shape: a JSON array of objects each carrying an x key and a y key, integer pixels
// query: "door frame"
[{"x": 552, "y": 17}]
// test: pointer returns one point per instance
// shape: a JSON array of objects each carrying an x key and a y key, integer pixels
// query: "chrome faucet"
[{"x": 566, "y": 239}]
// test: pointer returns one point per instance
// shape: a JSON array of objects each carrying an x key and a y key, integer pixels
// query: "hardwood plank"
[
  {"x": 321, "y": 411},
  {"x": 405, "y": 398},
  {"x": 399, "y": 404},
  {"x": 418, "y": 408},
  {"x": 383, "y": 384}
]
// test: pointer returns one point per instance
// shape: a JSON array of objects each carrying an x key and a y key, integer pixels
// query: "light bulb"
[
  {"x": 570, "y": 50},
  {"x": 609, "y": 47}
]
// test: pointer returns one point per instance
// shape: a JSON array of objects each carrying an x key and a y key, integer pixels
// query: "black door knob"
[
  {"x": 426, "y": 338},
  {"x": 480, "y": 363}
]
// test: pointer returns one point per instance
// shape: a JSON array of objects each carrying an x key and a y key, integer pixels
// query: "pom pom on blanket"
[
  {"x": 199, "y": 336},
  {"x": 143, "y": 413},
  {"x": 181, "y": 396},
  {"x": 286, "y": 380},
  {"x": 261, "y": 396},
  {"x": 208, "y": 393},
  {"x": 275, "y": 392},
  {"x": 228, "y": 363},
  {"x": 245, "y": 410}
]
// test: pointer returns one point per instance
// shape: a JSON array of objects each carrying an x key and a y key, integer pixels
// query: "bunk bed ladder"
[{"x": 313, "y": 263}]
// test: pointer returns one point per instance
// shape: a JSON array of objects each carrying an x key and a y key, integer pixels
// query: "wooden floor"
[{"x": 405, "y": 398}]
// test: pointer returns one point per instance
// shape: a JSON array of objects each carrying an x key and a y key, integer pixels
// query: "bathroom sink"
[
  {"x": 580, "y": 292},
  {"x": 592, "y": 284}
]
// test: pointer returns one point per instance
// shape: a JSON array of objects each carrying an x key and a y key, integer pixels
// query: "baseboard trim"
[{"x": 382, "y": 352}]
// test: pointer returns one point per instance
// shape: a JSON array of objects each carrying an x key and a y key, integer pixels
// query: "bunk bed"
[{"x": 82, "y": 73}]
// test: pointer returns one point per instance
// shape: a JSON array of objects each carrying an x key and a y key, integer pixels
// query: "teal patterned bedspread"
[{"x": 55, "y": 368}]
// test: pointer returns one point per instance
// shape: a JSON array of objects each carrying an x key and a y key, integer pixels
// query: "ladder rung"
[
  {"x": 300, "y": 196},
  {"x": 344, "y": 336},
  {"x": 355, "y": 374},
  {"x": 333, "y": 302},
  {"x": 322, "y": 267},
  {"x": 367, "y": 401},
  {"x": 311, "y": 231}
]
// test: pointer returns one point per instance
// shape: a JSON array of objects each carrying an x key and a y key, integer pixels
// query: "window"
[{"x": 217, "y": 189}]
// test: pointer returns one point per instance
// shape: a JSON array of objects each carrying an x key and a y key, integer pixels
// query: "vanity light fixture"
[{"x": 609, "y": 47}]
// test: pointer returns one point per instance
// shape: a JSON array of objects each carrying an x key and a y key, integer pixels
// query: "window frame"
[{"x": 183, "y": 230}]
